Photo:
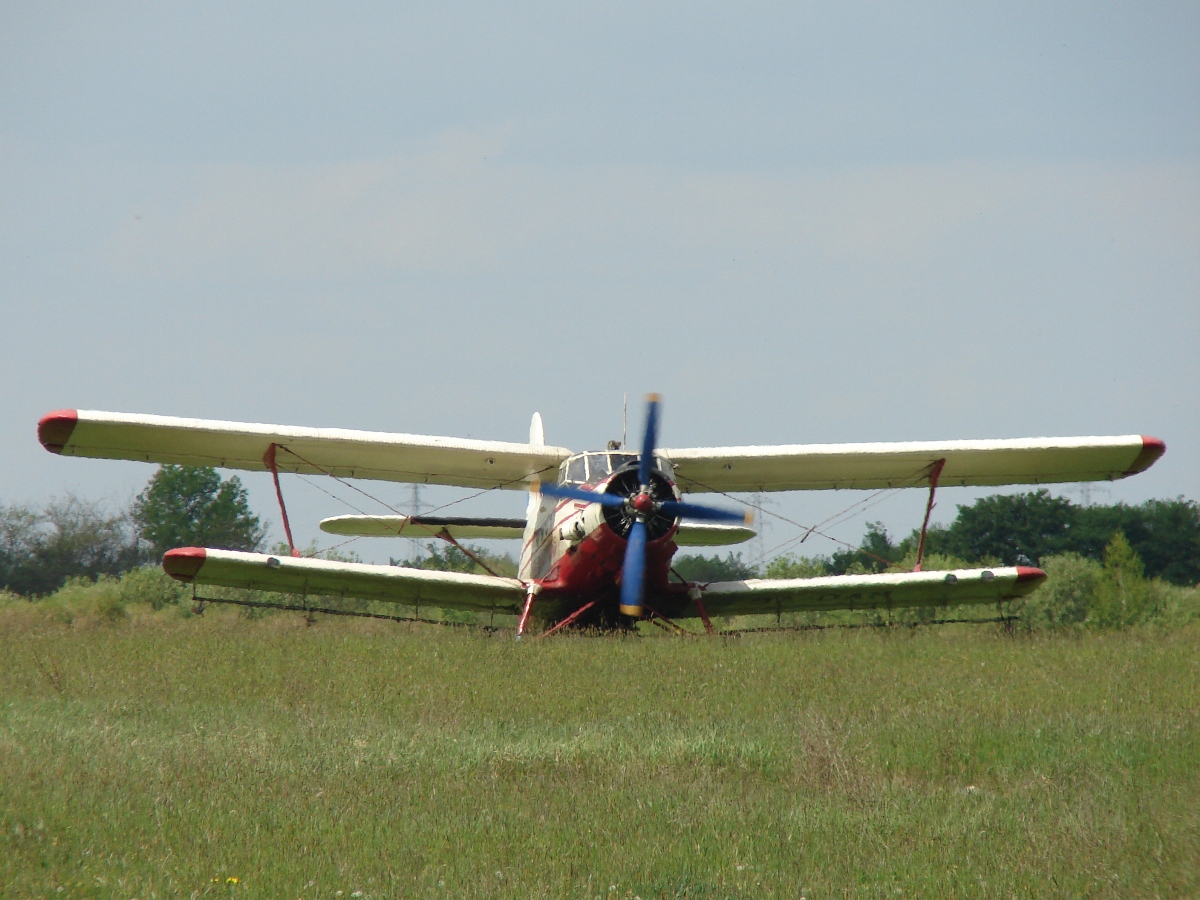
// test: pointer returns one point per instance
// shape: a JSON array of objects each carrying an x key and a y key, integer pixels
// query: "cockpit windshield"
[
  {"x": 576, "y": 470},
  {"x": 598, "y": 468},
  {"x": 591, "y": 468}
]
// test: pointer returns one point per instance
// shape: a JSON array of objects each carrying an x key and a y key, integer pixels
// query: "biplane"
[{"x": 601, "y": 527}]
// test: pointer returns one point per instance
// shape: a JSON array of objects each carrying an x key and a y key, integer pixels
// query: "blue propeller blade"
[
  {"x": 572, "y": 493},
  {"x": 633, "y": 569},
  {"x": 646, "y": 463},
  {"x": 676, "y": 509}
]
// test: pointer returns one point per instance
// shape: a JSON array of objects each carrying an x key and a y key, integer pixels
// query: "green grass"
[{"x": 159, "y": 756}]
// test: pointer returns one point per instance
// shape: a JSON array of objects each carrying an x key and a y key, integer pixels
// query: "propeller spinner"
[{"x": 642, "y": 506}]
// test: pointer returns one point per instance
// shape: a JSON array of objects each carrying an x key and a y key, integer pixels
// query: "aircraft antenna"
[{"x": 624, "y": 419}]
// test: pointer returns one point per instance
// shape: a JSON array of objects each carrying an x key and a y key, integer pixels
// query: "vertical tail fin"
[{"x": 535, "y": 544}]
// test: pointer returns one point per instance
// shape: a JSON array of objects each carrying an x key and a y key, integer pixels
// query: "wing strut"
[
  {"x": 269, "y": 459},
  {"x": 475, "y": 558},
  {"x": 934, "y": 472},
  {"x": 443, "y": 534}
]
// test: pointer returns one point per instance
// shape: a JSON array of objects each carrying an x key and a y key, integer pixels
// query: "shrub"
[
  {"x": 793, "y": 566},
  {"x": 80, "y": 597},
  {"x": 697, "y": 567},
  {"x": 447, "y": 558},
  {"x": 1067, "y": 595},
  {"x": 1177, "y": 605},
  {"x": 1123, "y": 595},
  {"x": 151, "y": 585}
]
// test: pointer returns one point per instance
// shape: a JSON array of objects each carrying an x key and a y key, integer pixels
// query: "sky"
[{"x": 798, "y": 222}]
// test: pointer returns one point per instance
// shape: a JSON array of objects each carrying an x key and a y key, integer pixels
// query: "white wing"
[
  {"x": 872, "y": 466},
  {"x": 424, "y": 527},
  {"x": 319, "y": 577},
  {"x": 334, "y": 451},
  {"x": 705, "y": 534},
  {"x": 901, "y": 589}
]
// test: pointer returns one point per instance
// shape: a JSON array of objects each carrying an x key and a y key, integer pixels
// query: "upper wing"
[
  {"x": 755, "y": 596},
  {"x": 424, "y": 526},
  {"x": 331, "y": 451},
  {"x": 260, "y": 572},
  {"x": 826, "y": 466}
]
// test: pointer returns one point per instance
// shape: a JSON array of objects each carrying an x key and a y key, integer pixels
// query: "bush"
[
  {"x": 1066, "y": 597},
  {"x": 448, "y": 558},
  {"x": 152, "y": 586},
  {"x": 696, "y": 567},
  {"x": 793, "y": 566},
  {"x": 81, "y": 597},
  {"x": 1177, "y": 605}
]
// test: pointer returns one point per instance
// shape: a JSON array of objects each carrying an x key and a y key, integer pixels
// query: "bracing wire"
[
  {"x": 442, "y": 535},
  {"x": 815, "y": 529}
]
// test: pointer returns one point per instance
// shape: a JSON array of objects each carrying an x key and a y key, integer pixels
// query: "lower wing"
[
  {"x": 424, "y": 527},
  {"x": 708, "y": 534},
  {"x": 319, "y": 577},
  {"x": 895, "y": 590},
  {"x": 690, "y": 534}
]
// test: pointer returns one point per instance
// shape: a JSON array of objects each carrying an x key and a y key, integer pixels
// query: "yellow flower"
[{"x": 232, "y": 880}]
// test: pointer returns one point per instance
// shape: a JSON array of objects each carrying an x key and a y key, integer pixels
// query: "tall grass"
[{"x": 152, "y": 754}]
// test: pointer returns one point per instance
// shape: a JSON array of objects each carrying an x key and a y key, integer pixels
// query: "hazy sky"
[{"x": 828, "y": 223}]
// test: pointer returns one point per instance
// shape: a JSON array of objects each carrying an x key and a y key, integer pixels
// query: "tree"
[
  {"x": 695, "y": 567},
  {"x": 451, "y": 559},
  {"x": 70, "y": 538},
  {"x": 1020, "y": 529},
  {"x": 1165, "y": 534},
  {"x": 1017, "y": 529},
  {"x": 1123, "y": 596},
  {"x": 190, "y": 506},
  {"x": 874, "y": 554},
  {"x": 792, "y": 565}
]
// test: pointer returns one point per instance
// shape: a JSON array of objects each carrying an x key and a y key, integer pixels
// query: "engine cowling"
[{"x": 624, "y": 483}]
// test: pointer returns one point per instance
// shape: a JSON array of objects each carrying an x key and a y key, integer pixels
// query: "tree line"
[
  {"x": 181, "y": 506},
  {"x": 1009, "y": 530},
  {"x": 40, "y": 549}
]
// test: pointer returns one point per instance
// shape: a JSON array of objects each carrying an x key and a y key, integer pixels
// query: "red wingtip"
[
  {"x": 54, "y": 429},
  {"x": 183, "y": 563},
  {"x": 1152, "y": 449},
  {"x": 1026, "y": 574}
]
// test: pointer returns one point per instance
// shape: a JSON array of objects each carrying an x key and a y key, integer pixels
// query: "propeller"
[{"x": 641, "y": 506}]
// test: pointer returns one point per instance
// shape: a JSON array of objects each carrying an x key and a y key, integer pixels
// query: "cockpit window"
[
  {"x": 621, "y": 459},
  {"x": 597, "y": 467},
  {"x": 591, "y": 468},
  {"x": 576, "y": 470}
]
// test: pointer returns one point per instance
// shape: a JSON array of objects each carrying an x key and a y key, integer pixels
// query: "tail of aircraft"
[{"x": 539, "y": 521}]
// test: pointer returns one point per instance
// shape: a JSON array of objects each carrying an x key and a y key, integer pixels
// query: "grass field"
[{"x": 161, "y": 756}]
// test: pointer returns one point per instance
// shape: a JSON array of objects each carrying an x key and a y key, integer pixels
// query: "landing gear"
[{"x": 530, "y": 593}]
